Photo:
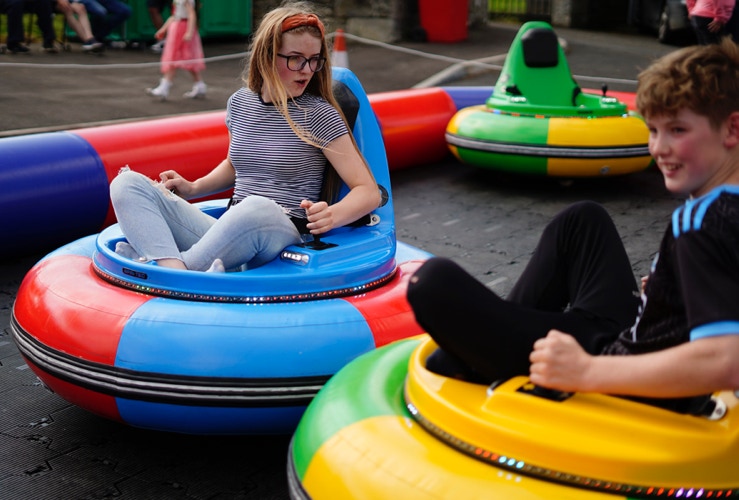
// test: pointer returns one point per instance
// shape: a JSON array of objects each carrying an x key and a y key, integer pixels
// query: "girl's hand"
[
  {"x": 320, "y": 216},
  {"x": 172, "y": 181},
  {"x": 559, "y": 362}
]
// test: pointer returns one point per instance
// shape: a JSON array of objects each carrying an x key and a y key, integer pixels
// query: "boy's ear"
[{"x": 732, "y": 136}]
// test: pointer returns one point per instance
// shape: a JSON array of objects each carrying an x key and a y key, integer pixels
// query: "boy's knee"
[
  {"x": 434, "y": 271},
  {"x": 437, "y": 267},
  {"x": 587, "y": 211},
  {"x": 586, "y": 207}
]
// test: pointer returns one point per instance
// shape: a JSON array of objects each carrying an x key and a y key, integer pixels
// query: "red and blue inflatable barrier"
[{"x": 55, "y": 185}]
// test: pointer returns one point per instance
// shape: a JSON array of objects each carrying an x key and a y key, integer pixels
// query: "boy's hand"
[{"x": 559, "y": 362}]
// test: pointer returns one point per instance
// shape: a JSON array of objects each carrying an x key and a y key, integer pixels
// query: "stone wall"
[
  {"x": 394, "y": 20},
  {"x": 375, "y": 19},
  {"x": 382, "y": 20}
]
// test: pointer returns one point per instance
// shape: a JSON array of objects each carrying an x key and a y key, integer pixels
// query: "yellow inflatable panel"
[
  {"x": 392, "y": 457},
  {"x": 584, "y": 439},
  {"x": 604, "y": 131},
  {"x": 571, "y": 146},
  {"x": 568, "y": 167},
  {"x": 448, "y": 439}
]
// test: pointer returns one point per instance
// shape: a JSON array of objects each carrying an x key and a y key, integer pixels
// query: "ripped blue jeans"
[{"x": 161, "y": 225}]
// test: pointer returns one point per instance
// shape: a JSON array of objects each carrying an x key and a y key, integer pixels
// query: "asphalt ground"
[{"x": 488, "y": 222}]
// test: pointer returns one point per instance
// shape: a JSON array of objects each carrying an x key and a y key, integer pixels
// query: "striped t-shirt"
[{"x": 269, "y": 159}]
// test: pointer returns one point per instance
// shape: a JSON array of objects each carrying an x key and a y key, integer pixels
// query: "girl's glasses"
[{"x": 297, "y": 63}]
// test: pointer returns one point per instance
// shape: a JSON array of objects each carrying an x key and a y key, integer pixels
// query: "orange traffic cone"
[{"x": 339, "y": 57}]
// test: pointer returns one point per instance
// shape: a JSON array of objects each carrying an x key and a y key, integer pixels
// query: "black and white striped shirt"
[{"x": 269, "y": 158}]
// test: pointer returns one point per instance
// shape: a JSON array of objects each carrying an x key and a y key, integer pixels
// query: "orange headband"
[{"x": 299, "y": 20}]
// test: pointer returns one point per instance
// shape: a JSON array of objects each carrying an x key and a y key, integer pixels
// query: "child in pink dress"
[
  {"x": 183, "y": 50},
  {"x": 709, "y": 18}
]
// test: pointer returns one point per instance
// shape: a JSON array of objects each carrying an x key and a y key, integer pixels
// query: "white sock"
[
  {"x": 124, "y": 249},
  {"x": 216, "y": 267}
]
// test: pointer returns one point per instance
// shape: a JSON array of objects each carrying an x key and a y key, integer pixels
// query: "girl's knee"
[
  {"x": 258, "y": 211},
  {"x": 120, "y": 184},
  {"x": 260, "y": 204},
  {"x": 126, "y": 183},
  {"x": 126, "y": 178}
]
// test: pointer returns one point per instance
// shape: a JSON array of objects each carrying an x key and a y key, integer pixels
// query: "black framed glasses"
[{"x": 297, "y": 63}]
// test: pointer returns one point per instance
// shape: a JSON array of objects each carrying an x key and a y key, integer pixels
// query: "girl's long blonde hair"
[{"x": 261, "y": 72}]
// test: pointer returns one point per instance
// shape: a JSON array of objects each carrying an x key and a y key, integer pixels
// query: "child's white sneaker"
[
  {"x": 198, "y": 91},
  {"x": 161, "y": 91}
]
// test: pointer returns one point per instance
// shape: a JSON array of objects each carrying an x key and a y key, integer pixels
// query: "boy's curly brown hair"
[{"x": 702, "y": 78}]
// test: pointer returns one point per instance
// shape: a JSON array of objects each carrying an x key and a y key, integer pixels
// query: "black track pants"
[{"x": 579, "y": 280}]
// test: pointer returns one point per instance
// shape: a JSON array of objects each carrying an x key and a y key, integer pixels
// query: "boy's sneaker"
[{"x": 17, "y": 48}]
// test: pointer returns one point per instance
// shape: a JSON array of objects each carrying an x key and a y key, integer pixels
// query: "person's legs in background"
[
  {"x": 44, "y": 20},
  {"x": 703, "y": 35},
  {"x": 156, "y": 9},
  {"x": 91, "y": 43},
  {"x": 14, "y": 11},
  {"x": 116, "y": 14},
  {"x": 732, "y": 27},
  {"x": 93, "y": 8},
  {"x": 106, "y": 15},
  {"x": 76, "y": 17},
  {"x": 96, "y": 13}
]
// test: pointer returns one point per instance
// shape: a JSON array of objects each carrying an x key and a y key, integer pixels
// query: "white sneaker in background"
[
  {"x": 198, "y": 91},
  {"x": 157, "y": 47},
  {"x": 161, "y": 91}
]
